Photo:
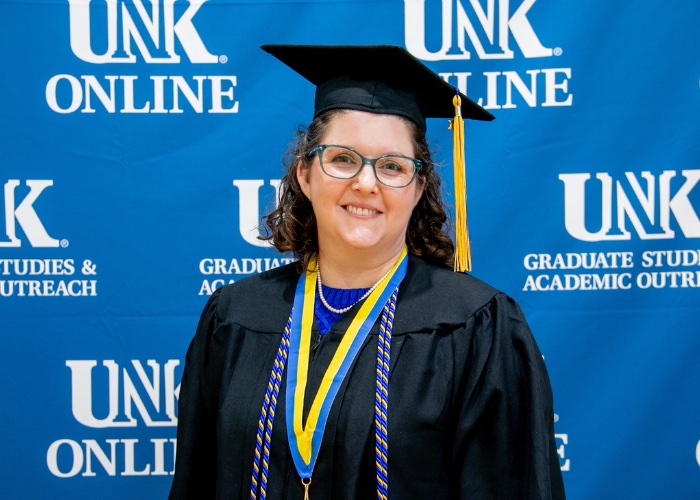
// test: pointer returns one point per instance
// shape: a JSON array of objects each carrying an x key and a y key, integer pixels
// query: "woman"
[{"x": 389, "y": 374}]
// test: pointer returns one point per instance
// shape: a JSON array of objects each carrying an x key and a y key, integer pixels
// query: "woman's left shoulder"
[
  {"x": 436, "y": 295},
  {"x": 441, "y": 282}
]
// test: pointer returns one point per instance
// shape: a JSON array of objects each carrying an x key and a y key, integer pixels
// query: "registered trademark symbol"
[
  {"x": 64, "y": 243},
  {"x": 558, "y": 51},
  {"x": 556, "y": 418},
  {"x": 223, "y": 59}
]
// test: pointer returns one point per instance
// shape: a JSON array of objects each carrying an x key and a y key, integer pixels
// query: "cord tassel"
[{"x": 463, "y": 257}]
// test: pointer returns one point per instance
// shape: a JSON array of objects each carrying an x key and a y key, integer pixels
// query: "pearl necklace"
[{"x": 344, "y": 309}]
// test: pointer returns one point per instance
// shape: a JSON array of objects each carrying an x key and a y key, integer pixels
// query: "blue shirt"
[{"x": 338, "y": 298}]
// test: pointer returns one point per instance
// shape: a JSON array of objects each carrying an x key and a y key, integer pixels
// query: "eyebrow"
[{"x": 394, "y": 153}]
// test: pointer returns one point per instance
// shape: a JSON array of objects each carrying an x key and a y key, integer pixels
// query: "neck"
[{"x": 356, "y": 271}]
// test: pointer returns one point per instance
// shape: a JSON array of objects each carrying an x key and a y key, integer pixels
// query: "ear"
[
  {"x": 420, "y": 187},
  {"x": 302, "y": 172}
]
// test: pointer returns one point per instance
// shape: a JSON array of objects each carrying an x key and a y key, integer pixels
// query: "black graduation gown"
[{"x": 470, "y": 405}]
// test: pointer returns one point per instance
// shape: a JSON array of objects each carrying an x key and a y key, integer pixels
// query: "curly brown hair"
[{"x": 291, "y": 227}]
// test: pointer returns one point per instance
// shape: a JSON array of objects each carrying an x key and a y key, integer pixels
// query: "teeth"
[{"x": 360, "y": 211}]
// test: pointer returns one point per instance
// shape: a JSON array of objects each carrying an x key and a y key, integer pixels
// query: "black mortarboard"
[
  {"x": 387, "y": 79},
  {"x": 376, "y": 78}
]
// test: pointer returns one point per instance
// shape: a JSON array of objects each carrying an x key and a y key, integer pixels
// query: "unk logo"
[
  {"x": 650, "y": 211},
  {"x": 488, "y": 30},
  {"x": 249, "y": 208},
  {"x": 24, "y": 214},
  {"x": 131, "y": 27},
  {"x": 152, "y": 396}
]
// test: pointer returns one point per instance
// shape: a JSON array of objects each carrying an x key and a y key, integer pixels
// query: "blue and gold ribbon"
[
  {"x": 360, "y": 326},
  {"x": 305, "y": 440}
]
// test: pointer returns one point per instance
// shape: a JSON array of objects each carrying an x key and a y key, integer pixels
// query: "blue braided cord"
[
  {"x": 259, "y": 443},
  {"x": 381, "y": 397},
  {"x": 267, "y": 416},
  {"x": 385, "y": 393},
  {"x": 379, "y": 427},
  {"x": 283, "y": 352},
  {"x": 380, "y": 415}
]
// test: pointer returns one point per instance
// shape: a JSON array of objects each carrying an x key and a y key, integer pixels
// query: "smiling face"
[{"x": 360, "y": 216}]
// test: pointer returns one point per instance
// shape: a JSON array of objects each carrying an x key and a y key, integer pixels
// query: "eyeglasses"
[{"x": 344, "y": 163}]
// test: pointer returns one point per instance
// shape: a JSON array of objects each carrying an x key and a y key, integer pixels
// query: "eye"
[
  {"x": 343, "y": 158},
  {"x": 393, "y": 165}
]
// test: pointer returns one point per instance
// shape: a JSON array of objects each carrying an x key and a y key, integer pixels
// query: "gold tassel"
[{"x": 463, "y": 257}]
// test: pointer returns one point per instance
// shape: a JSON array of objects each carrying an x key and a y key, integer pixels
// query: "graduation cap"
[{"x": 387, "y": 79}]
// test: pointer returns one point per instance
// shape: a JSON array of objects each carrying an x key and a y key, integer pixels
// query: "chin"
[
  {"x": 371, "y": 243},
  {"x": 362, "y": 244}
]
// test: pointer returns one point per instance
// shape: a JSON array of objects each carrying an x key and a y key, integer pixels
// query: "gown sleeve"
[
  {"x": 504, "y": 443},
  {"x": 195, "y": 467}
]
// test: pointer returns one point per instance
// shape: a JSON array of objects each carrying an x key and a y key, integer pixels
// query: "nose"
[{"x": 365, "y": 180}]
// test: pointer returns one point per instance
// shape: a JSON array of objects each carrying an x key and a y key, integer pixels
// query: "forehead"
[{"x": 370, "y": 133}]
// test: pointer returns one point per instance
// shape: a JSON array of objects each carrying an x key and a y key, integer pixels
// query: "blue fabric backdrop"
[{"x": 142, "y": 140}]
